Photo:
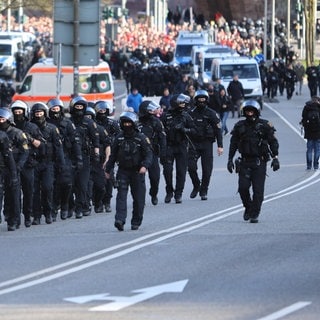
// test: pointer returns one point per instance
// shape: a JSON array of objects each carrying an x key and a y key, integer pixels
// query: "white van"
[
  {"x": 40, "y": 84},
  {"x": 8, "y": 49},
  {"x": 246, "y": 68},
  {"x": 206, "y": 55}
]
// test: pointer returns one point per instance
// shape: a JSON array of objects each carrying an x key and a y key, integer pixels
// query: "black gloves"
[
  {"x": 275, "y": 164},
  {"x": 230, "y": 165}
]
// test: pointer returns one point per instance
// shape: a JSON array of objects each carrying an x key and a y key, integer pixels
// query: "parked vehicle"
[{"x": 41, "y": 83}]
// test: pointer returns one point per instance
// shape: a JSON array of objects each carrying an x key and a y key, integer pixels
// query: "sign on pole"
[{"x": 88, "y": 40}]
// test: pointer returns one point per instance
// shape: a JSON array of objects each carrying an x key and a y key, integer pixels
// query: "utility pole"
[{"x": 76, "y": 40}]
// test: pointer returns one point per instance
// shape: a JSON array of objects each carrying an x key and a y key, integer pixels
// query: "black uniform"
[
  {"x": 153, "y": 128},
  {"x": 312, "y": 77},
  {"x": 49, "y": 156},
  {"x": 7, "y": 169},
  {"x": 11, "y": 192},
  {"x": 131, "y": 150},
  {"x": 73, "y": 161},
  {"x": 254, "y": 139},
  {"x": 290, "y": 80},
  {"x": 113, "y": 129},
  {"x": 208, "y": 130},
  {"x": 27, "y": 173},
  {"x": 178, "y": 126}
]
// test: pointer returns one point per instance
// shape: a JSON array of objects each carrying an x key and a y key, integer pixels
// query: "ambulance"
[{"x": 41, "y": 83}]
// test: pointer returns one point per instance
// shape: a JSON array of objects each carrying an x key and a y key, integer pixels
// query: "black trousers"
[
  {"x": 137, "y": 184},
  {"x": 204, "y": 152},
  {"x": 179, "y": 156},
  {"x": 154, "y": 176},
  {"x": 252, "y": 174},
  {"x": 27, "y": 185}
]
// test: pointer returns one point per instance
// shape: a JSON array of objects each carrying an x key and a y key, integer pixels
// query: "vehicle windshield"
[
  {"x": 5, "y": 49},
  {"x": 183, "y": 50},
  {"x": 244, "y": 71},
  {"x": 94, "y": 83}
]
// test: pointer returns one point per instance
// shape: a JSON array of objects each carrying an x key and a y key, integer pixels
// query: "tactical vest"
[{"x": 129, "y": 152}]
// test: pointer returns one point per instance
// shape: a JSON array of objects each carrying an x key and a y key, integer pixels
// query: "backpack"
[{"x": 312, "y": 119}]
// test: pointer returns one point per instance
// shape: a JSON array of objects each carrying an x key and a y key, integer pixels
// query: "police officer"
[
  {"x": 290, "y": 80},
  {"x": 312, "y": 78},
  {"x": 131, "y": 149},
  {"x": 20, "y": 150},
  {"x": 89, "y": 136},
  {"x": 208, "y": 130},
  {"x": 178, "y": 126},
  {"x": 97, "y": 185},
  {"x": 104, "y": 110},
  {"x": 7, "y": 169},
  {"x": 20, "y": 112},
  {"x": 254, "y": 139},
  {"x": 50, "y": 154},
  {"x": 152, "y": 127},
  {"x": 72, "y": 155}
]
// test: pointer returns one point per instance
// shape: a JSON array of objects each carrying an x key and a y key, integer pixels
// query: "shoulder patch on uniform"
[
  {"x": 148, "y": 140},
  {"x": 57, "y": 130},
  {"x": 24, "y": 136}
]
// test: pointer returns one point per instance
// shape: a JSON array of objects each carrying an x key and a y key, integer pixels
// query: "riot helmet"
[
  {"x": 179, "y": 101},
  {"x": 128, "y": 122},
  {"x": 103, "y": 109},
  {"x": 148, "y": 108},
  {"x": 37, "y": 118},
  {"x": 20, "y": 105},
  {"x": 90, "y": 112},
  {"x": 251, "y": 105},
  {"x": 6, "y": 118},
  {"x": 55, "y": 106},
  {"x": 78, "y": 107},
  {"x": 201, "y": 98}
]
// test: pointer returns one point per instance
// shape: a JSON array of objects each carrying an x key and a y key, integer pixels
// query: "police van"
[
  {"x": 185, "y": 41},
  {"x": 41, "y": 83},
  {"x": 202, "y": 70},
  {"x": 247, "y": 70}
]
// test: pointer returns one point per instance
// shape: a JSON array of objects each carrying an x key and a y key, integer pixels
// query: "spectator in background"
[
  {"x": 134, "y": 100},
  {"x": 300, "y": 72},
  {"x": 236, "y": 93},
  {"x": 165, "y": 100}
]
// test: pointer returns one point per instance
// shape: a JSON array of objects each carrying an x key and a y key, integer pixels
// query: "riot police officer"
[
  {"x": 131, "y": 149},
  {"x": 97, "y": 185},
  {"x": 89, "y": 136},
  {"x": 152, "y": 127},
  {"x": 50, "y": 154},
  {"x": 104, "y": 110},
  {"x": 21, "y": 112},
  {"x": 72, "y": 155},
  {"x": 7, "y": 169},
  {"x": 208, "y": 130},
  {"x": 20, "y": 150},
  {"x": 178, "y": 126},
  {"x": 255, "y": 140}
]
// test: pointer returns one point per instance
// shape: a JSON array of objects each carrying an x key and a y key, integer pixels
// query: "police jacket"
[
  {"x": 104, "y": 143},
  {"x": 6, "y": 156},
  {"x": 88, "y": 133},
  {"x": 272, "y": 78},
  {"x": 130, "y": 153},
  {"x": 51, "y": 148},
  {"x": 208, "y": 127},
  {"x": 112, "y": 127},
  {"x": 178, "y": 126},
  {"x": 70, "y": 139},
  {"x": 153, "y": 128},
  {"x": 19, "y": 144},
  {"x": 32, "y": 132},
  {"x": 253, "y": 139},
  {"x": 312, "y": 74}
]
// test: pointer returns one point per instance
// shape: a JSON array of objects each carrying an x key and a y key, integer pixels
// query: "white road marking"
[{"x": 285, "y": 311}]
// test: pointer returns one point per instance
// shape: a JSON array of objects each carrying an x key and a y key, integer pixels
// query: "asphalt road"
[{"x": 195, "y": 260}]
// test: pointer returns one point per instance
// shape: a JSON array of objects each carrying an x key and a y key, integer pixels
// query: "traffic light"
[{"x": 105, "y": 13}]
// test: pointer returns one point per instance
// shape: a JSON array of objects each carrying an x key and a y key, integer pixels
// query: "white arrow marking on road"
[
  {"x": 123, "y": 302},
  {"x": 85, "y": 299}
]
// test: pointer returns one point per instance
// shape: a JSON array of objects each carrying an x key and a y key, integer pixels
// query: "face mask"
[
  {"x": 40, "y": 121},
  {"x": 77, "y": 113},
  {"x": 18, "y": 117},
  {"x": 4, "y": 125},
  {"x": 55, "y": 115},
  {"x": 101, "y": 116}
]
